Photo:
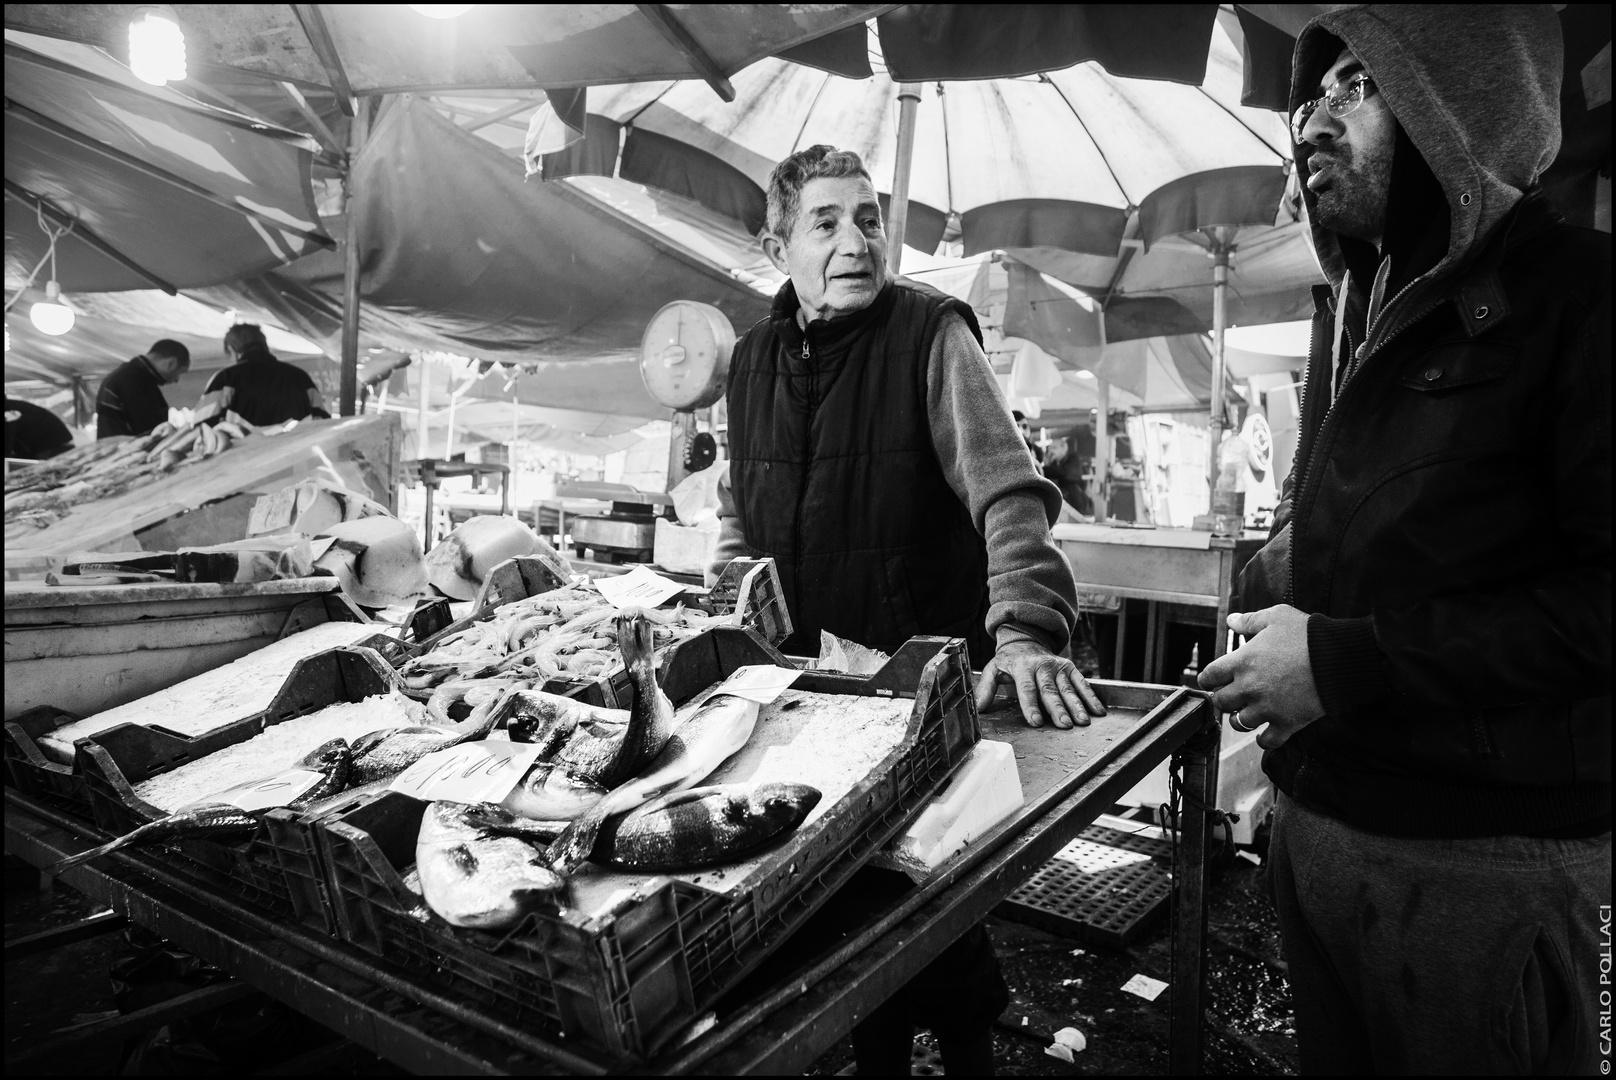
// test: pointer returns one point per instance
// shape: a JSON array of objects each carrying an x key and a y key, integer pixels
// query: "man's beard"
[{"x": 1354, "y": 201}]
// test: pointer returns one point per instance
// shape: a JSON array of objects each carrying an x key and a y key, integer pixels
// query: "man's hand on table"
[
  {"x": 1048, "y": 687},
  {"x": 1269, "y": 679}
]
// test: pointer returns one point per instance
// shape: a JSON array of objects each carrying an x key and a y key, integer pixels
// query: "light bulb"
[
  {"x": 49, "y": 316},
  {"x": 157, "y": 46},
  {"x": 441, "y": 11},
  {"x": 1085, "y": 374}
]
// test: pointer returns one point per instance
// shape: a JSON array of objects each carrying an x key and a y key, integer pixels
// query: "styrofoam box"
[{"x": 983, "y": 792}]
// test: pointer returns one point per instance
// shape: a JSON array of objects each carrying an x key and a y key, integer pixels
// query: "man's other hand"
[
  {"x": 1269, "y": 679},
  {"x": 1048, "y": 687}
]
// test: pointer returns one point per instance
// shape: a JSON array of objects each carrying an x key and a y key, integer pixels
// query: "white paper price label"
[
  {"x": 271, "y": 791},
  {"x": 469, "y": 773},
  {"x": 639, "y": 587},
  {"x": 761, "y": 683}
]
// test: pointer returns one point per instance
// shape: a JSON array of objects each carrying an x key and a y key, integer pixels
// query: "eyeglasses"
[{"x": 1341, "y": 99}]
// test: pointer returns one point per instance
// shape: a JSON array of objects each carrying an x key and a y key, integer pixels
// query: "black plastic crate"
[
  {"x": 33, "y": 774},
  {"x": 1106, "y": 887},
  {"x": 276, "y": 870},
  {"x": 627, "y": 980}
]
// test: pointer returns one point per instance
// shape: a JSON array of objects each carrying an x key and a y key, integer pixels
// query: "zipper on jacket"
[{"x": 807, "y": 457}]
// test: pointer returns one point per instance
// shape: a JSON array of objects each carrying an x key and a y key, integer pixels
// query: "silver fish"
[
  {"x": 550, "y": 793},
  {"x": 701, "y": 744},
  {"x": 380, "y": 755},
  {"x": 477, "y": 868},
  {"x": 332, "y": 760},
  {"x": 704, "y": 826},
  {"x": 552, "y": 721},
  {"x": 611, "y": 757}
]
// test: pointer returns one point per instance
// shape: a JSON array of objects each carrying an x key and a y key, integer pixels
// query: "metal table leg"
[{"x": 1198, "y": 760}]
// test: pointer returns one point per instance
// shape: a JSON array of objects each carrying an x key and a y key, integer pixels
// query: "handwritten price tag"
[
  {"x": 761, "y": 683},
  {"x": 639, "y": 587},
  {"x": 469, "y": 773},
  {"x": 271, "y": 791}
]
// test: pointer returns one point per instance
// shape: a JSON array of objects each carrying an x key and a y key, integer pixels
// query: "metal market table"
[
  {"x": 1069, "y": 779},
  {"x": 1184, "y": 576}
]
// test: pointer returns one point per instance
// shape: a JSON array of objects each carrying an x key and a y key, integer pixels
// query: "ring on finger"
[{"x": 1238, "y": 724}]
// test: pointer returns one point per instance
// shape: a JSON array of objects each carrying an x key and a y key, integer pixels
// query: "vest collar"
[{"x": 834, "y": 334}]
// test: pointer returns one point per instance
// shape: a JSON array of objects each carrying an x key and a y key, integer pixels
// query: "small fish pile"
[
  {"x": 566, "y": 633},
  {"x": 42, "y": 494}
]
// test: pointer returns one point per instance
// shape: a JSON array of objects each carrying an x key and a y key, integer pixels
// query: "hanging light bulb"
[
  {"x": 441, "y": 11},
  {"x": 50, "y": 315},
  {"x": 157, "y": 46}
]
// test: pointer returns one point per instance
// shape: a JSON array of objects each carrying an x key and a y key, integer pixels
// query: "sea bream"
[
  {"x": 478, "y": 867},
  {"x": 381, "y": 755},
  {"x": 210, "y": 818},
  {"x": 704, "y": 826},
  {"x": 699, "y": 745}
]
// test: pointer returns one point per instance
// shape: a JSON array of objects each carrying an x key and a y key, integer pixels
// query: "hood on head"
[{"x": 1476, "y": 90}]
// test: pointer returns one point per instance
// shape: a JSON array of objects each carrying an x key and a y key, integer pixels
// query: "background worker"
[
  {"x": 130, "y": 400},
  {"x": 873, "y": 456},
  {"x": 1429, "y": 626},
  {"x": 259, "y": 387},
  {"x": 34, "y": 432}
]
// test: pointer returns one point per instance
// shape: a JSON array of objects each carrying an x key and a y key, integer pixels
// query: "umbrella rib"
[
  {"x": 317, "y": 126},
  {"x": 319, "y": 35},
  {"x": 685, "y": 43},
  {"x": 1255, "y": 134},
  {"x": 948, "y": 154},
  {"x": 796, "y": 144},
  {"x": 85, "y": 233},
  {"x": 22, "y": 112},
  {"x": 1078, "y": 116}
]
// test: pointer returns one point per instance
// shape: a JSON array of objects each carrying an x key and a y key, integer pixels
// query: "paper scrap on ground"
[
  {"x": 469, "y": 773},
  {"x": 271, "y": 791},
  {"x": 1144, "y": 986},
  {"x": 638, "y": 588},
  {"x": 761, "y": 683}
]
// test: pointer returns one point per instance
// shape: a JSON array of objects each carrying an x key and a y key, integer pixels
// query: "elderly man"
[
  {"x": 873, "y": 456},
  {"x": 130, "y": 400},
  {"x": 1430, "y": 624}
]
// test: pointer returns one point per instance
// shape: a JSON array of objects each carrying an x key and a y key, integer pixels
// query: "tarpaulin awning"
[{"x": 160, "y": 190}]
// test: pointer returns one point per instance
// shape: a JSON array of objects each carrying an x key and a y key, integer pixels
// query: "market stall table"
[
  {"x": 1069, "y": 779},
  {"x": 1184, "y": 575}
]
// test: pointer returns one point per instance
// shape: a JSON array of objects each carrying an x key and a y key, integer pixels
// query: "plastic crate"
[
  {"x": 33, "y": 774},
  {"x": 276, "y": 870},
  {"x": 1106, "y": 887},
  {"x": 627, "y": 980}
]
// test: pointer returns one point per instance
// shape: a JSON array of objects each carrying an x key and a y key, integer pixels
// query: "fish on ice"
[
  {"x": 704, "y": 826},
  {"x": 480, "y": 865}
]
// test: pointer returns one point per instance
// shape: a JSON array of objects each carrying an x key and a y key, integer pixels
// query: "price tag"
[
  {"x": 761, "y": 683},
  {"x": 640, "y": 587},
  {"x": 271, "y": 791},
  {"x": 1144, "y": 986},
  {"x": 469, "y": 773}
]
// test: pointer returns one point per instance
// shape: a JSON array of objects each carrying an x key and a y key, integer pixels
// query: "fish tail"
[
  {"x": 577, "y": 843},
  {"x": 94, "y": 853}
]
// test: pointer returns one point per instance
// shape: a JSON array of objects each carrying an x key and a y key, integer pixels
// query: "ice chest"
[{"x": 627, "y": 979}]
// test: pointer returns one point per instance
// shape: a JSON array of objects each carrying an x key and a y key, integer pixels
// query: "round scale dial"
[{"x": 684, "y": 355}]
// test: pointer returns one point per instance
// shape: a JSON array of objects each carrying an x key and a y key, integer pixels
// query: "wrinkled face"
[
  {"x": 1350, "y": 168},
  {"x": 837, "y": 252}
]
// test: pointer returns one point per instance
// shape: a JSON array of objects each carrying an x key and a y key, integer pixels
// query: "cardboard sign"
[
  {"x": 469, "y": 773},
  {"x": 271, "y": 791},
  {"x": 639, "y": 587}
]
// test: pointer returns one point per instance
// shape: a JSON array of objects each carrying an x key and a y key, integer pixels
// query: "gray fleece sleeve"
[
  {"x": 1031, "y": 591},
  {"x": 731, "y": 540}
]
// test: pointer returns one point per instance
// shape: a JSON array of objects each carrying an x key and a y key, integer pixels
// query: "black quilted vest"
[{"x": 835, "y": 477}]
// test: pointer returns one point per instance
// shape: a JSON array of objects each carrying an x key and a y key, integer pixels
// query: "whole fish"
[
  {"x": 478, "y": 869},
  {"x": 551, "y": 721},
  {"x": 704, "y": 826},
  {"x": 701, "y": 744},
  {"x": 206, "y": 818},
  {"x": 381, "y": 755},
  {"x": 551, "y": 793},
  {"x": 609, "y": 757}
]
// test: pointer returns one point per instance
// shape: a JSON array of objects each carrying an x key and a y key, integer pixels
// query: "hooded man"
[
  {"x": 130, "y": 400},
  {"x": 1429, "y": 625}
]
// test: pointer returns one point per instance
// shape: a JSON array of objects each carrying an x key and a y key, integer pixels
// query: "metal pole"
[
  {"x": 422, "y": 397},
  {"x": 1102, "y": 451},
  {"x": 1220, "y": 288},
  {"x": 359, "y": 130},
  {"x": 908, "y": 102}
]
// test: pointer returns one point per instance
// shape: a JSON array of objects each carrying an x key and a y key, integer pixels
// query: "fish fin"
[
  {"x": 574, "y": 846},
  {"x": 85, "y": 856},
  {"x": 676, "y": 798}
]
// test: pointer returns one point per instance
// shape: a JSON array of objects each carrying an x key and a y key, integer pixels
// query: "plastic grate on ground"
[{"x": 1106, "y": 887}]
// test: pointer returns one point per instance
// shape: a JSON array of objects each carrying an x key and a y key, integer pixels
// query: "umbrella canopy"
[
  {"x": 383, "y": 48},
  {"x": 159, "y": 190},
  {"x": 1062, "y": 159}
]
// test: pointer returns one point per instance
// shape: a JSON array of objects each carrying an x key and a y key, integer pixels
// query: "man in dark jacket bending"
[
  {"x": 874, "y": 458},
  {"x": 1429, "y": 627}
]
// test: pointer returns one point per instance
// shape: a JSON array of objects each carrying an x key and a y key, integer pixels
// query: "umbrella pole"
[
  {"x": 1220, "y": 290},
  {"x": 420, "y": 413},
  {"x": 359, "y": 131},
  {"x": 1102, "y": 451},
  {"x": 908, "y": 103}
]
